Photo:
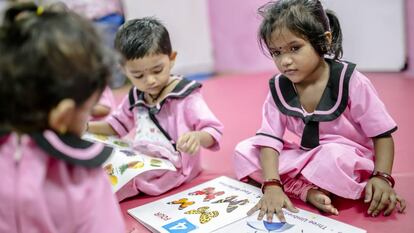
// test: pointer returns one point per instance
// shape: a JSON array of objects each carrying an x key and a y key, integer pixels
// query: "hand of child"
[
  {"x": 189, "y": 142},
  {"x": 381, "y": 195},
  {"x": 272, "y": 202}
]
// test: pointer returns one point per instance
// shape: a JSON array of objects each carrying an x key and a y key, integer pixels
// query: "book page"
[
  {"x": 203, "y": 208},
  {"x": 220, "y": 205},
  {"x": 125, "y": 163},
  {"x": 301, "y": 222}
]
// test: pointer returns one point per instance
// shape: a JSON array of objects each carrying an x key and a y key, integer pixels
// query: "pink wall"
[
  {"x": 410, "y": 35},
  {"x": 235, "y": 41},
  {"x": 234, "y": 37}
]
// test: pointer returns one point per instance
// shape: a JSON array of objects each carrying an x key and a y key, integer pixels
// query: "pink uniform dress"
[
  {"x": 336, "y": 151},
  {"x": 108, "y": 100},
  {"x": 183, "y": 110},
  {"x": 55, "y": 184}
]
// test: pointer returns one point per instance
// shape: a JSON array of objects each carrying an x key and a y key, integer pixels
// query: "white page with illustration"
[
  {"x": 125, "y": 163},
  {"x": 220, "y": 205}
]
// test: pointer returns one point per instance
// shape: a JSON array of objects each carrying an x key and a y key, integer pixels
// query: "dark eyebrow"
[
  {"x": 157, "y": 66},
  {"x": 291, "y": 43},
  {"x": 152, "y": 68},
  {"x": 294, "y": 42}
]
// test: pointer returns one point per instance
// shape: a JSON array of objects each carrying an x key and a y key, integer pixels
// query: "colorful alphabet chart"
[
  {"x": 220, "y": 205},
  {"x": 125, "y": 163},
  {"x": 203, "y": 208}
]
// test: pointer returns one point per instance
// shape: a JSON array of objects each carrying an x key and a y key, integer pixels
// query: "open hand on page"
[{"x": 272, "y": 202}]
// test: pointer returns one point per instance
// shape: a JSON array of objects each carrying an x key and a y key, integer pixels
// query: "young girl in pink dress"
[
  {"x": 170, "y": 117},
  {"x": 53, "y": 69},
  {"x": 346, "y": 147}
]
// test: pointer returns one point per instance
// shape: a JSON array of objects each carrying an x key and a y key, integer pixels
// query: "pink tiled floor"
[{"x": 237, "y": 100}]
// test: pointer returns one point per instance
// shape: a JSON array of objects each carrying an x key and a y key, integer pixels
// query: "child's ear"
[
  {"x": 61, "y": 116},
  {"x": 173, "y": 55},
  {"x": 328, "y": 37}
]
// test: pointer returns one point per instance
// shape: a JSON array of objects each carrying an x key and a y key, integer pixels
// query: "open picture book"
[
  {"x": 220, "y": 205},
  {"x": 125, "y": 163}
]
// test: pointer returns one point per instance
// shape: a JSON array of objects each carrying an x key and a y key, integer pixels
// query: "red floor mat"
[{"x": 237, "y": 102}]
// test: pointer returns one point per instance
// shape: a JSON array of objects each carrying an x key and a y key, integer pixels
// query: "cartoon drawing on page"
[
  {"x": 208, "y": 192},
  {"x": 233, "y": 203},
  {"x": 205, "y": 215},
  {"x": 125, "y": 163},
  {"x": 183, "y": 203},
  {"x": 115, "y": 172}
]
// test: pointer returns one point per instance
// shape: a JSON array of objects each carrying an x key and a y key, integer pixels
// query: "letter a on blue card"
[{"x": 179, "y": 226}]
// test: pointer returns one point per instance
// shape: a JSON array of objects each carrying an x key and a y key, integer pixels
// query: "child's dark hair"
[
  {"x": 305, "y": 18},
  {"x": 46, "y": 58},
  {"x": 141, "y": 37}
]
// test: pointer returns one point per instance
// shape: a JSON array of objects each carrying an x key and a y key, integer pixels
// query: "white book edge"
[{"x": 317, "y": 218}]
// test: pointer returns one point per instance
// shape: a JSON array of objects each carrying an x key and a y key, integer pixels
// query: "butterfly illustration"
[
  {"x": 209, "y": 192},
  {"x": 184, "y": 203},
  {"x": 205, "y": 215},
  {"x": 233, "y": 203}
]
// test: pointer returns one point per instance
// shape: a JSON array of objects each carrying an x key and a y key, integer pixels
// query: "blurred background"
[{"x": 219, "y": 36}]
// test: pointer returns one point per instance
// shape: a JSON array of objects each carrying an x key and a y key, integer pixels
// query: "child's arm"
[
  {"x": 190, "y": 142},
  {"x": 369, "y": 112},
  {"x": 105, "y": 104},
  {"x": 378, "y": 191},
  {"x": 100, "y": 110},
  {"x": 274, "y": 198},
  {"x": 100, "y": 127},
  {"x": 206, "y": 128},
  {"x": 119, "y": 123}
]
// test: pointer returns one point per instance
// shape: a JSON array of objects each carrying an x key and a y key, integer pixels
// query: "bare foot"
[{"x": 321, "y": 200}]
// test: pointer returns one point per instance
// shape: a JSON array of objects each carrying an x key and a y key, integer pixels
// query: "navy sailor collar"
[
  {"x": 183, "y": 88},
  {"x": 72, "y": 149},
  {"x": 3, "y": 132},
  {"x": 332, "y": 103}
]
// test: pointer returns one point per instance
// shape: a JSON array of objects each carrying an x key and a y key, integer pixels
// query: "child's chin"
[{"x": 153, "y": 91}]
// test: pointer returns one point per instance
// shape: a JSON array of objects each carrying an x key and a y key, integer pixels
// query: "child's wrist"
[
  {"x": 271, "y": 182},
  {"x": 384, "y": 176}
]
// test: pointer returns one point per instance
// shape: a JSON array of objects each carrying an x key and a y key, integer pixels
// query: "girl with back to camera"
[
  {"x": 53, "y": 69},
  {"x": 346, "y": 147}
]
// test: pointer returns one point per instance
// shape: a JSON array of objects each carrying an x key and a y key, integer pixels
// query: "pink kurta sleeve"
[
  {"x": 273, "y": 126},
  {"x": 201, "y": 118},
  {"x": 107, "y": 99},
  {"x": 367, "y": 109},
  {"x": 122, "y": 119}
]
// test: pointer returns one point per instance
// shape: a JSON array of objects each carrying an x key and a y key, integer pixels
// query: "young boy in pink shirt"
[{"x": 172, "y": 119}]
